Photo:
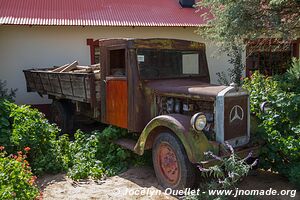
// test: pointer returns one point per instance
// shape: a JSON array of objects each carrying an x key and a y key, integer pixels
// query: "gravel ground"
[{"x": 142, "y": 179}]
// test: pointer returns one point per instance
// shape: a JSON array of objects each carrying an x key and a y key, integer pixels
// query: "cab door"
[{"x": 117, "y": 89}]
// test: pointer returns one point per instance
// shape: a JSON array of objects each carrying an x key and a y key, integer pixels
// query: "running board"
[{"x": 126, "y": 143}]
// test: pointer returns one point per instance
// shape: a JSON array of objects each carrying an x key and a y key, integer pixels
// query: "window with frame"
[
  {"x": 270, "y": 59},
  {"x": 164, "y": 63}
]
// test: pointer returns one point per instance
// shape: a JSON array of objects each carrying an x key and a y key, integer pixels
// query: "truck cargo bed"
[{"x": 83, "y": 87}]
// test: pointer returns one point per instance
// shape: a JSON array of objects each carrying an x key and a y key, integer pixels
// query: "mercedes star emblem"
[{"x": 236, "y": 112}]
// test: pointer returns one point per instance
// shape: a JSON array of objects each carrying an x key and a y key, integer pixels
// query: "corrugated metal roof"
[{"x": 98, "y": 13}]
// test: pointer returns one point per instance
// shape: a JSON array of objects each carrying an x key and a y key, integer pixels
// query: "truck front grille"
[{"x": 235, "y": 116}]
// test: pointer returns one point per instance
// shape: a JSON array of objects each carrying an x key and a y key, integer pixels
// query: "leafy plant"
[
  {"x": 80, "y": 156},
  {"x": 279, "y": 127},
  {"x": 95, "y": 155},
  {"x": 88, "y": 156},
  {"x": 229, "y": 171},
  {"x": 5, "y": 125},
  {"x": 6, "y": 93},
  {"x": 291, "y": 79},
  {"x": 233, "y": 74},
  {"x": 24, "y": 126},
  {"x": 294, "y": 71},
  {"x": 31, "y": 128},
  {"x": 294, "y": 175},
  {"x": 16, "y": 178}
]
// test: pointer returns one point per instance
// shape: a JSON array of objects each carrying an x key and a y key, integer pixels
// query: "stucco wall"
[{"x": 23, "y": 47}]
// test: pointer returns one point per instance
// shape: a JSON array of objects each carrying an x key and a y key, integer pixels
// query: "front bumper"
[{"x": 240, "y": 152}]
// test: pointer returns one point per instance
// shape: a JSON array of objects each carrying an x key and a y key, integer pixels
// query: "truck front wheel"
[{"x": 171, "y": 164}]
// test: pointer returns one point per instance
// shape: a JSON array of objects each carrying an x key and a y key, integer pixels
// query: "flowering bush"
[
  {"x": 24, "y": 126},
  {"x": 16, "y": 178},
  {"x": 225, "y": 175},
  {"x": 89, "y": 155}
]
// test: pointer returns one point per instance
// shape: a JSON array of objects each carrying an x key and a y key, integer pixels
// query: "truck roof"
[{"x": 158, "y": 43}]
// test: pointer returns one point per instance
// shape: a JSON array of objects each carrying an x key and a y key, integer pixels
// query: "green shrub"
[
  {"x": 16, "y": 179},
  {"x": 24, "y": 127},
  {"x": 279, "y": 127},
  {"x": 5, "y": 126},
  {"x": 95, "y": 155},
  {"x": 6, "y": 93},
  {"x": 89, "y": 155},
  {"x": 80, "y": 156},
  {"x": 294, "y": 175}
]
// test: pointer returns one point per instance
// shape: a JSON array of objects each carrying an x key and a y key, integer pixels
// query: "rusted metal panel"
[
  {"x": 140, "y": 99},
  {"x": 195, "y": 144},
  {"x": 117, "y": 102},
  {"x": 189, "y": 87},
  {"x": 165, "y": 44},
  {"x": 235, "y": 117}
]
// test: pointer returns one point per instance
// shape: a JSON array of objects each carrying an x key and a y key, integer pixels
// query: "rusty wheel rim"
[{"x": 168, "y": 163}]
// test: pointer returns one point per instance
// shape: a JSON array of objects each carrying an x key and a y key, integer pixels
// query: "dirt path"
[{"x": 141, "y": 180}]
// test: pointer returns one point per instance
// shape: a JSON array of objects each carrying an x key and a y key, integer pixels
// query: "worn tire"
[
  {"x": 187, "y": 174},
  {"x": 62, "y": 115}
]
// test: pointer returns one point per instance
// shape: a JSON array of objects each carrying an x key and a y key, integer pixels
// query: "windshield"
[{"x": 154, "y": 63}]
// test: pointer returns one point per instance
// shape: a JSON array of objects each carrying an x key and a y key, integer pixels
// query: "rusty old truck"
[{"x": 160, "y": 89}]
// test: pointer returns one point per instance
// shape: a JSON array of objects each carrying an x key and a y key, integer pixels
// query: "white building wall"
[{"x": 24, "y": 47}]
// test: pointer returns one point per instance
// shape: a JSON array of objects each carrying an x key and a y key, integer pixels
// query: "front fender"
[{"x": 195, "y": 143}]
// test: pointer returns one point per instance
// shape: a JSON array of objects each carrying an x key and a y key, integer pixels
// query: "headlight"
[{"x": 198, "y": 121}]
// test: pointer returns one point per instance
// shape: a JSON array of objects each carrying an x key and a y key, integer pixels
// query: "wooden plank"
[
  {"x": 78, "y": 83},
  {"x": 30, "y": 81},
  {"x": 38, "y": 82},
  {"x": 96, "y": 66},
  {"x": 59, "y": 69},
  {"x": 92, "y": 96},
  {"x": 54, "y": 81},
  {"x": 98, "y": 96},
  {"x": 70, "y": 67},
  {"x": 61, "y": 96},
  {"x": 83, "y": 67},
  {"x": 88, "y": 70},
  {"x": 97, "y": 74},
  {"x": 66, "y": 85},
  {"x": 46, "y": 82},
  {"x": 117, "y": 103}
]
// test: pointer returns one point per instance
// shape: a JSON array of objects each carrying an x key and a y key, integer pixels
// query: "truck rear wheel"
[
  {"x": 62, "y": 115},
  {"x": 171, "y": 164}
]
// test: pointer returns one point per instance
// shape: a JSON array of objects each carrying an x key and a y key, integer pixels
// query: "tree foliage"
[{"x": 234, "y": 23}]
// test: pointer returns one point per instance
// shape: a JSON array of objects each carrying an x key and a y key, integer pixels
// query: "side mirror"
[{"x": 265, "y": 107}]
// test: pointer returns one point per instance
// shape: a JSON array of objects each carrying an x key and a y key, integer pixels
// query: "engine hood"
[{"x": 185, "y": 87}]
